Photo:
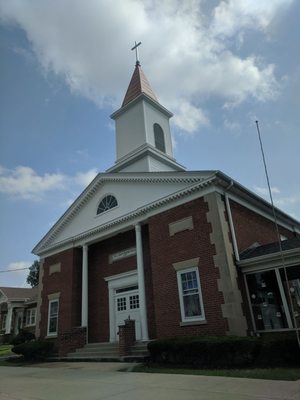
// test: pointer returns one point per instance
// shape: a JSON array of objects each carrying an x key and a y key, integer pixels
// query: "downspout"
[{"x": 231, "y": 225}]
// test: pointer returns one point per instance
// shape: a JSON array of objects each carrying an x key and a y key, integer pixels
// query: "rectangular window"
[
  {"x": 30, "y": 316},
  {"x": 266, "y": 301},
  {"x": 291, "y": 285},
  {"x": 3, "y": 323},
  {"x": 53, "y": 317},
  {"x": 190, "y": 296}
]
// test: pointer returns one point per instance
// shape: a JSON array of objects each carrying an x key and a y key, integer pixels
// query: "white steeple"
[{"x": 143, "y": 137}]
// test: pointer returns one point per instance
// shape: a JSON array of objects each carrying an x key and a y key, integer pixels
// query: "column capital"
[{"x": 138, "y": 227}]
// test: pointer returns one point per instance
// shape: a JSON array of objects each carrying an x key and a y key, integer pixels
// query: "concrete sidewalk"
[{"x": 99, "y": 381}]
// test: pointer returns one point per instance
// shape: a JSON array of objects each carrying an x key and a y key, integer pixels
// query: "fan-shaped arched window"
[
  {"x": 107, "y": 203},
  {"x": 159, "y": 138}
]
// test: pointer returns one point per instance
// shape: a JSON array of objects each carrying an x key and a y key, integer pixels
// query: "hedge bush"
[
  {"x": 22, "y": 337},
  {"x": 225, "y": 352},
  {"x": 278, "y": 350},
  {"x": 34, "y": 350}
]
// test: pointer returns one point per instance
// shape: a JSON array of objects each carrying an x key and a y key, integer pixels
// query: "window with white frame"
[
  {"x": 107, "y": 203},
  {"x": 3, "y": 322},
  {"x": 30, "y": 316},
  {"x": 53, "y": 317},
  {"x": 190, "y": 295}
]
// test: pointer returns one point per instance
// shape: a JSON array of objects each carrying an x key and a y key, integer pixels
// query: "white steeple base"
[{"x": 146, "y": 159}]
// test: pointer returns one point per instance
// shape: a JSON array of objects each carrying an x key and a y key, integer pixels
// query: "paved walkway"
[{"x": 99, "y": 381}]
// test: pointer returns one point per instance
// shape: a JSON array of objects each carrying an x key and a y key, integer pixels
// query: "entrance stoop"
[{"x": 108, "y": 352}]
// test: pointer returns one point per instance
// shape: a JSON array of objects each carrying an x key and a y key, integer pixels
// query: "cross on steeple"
[{"x": 135, "y": 47}]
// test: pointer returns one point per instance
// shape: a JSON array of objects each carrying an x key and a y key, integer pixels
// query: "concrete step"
[
  {"x": 108, "y": 352},
  {"x": 101, "y": 345},
  {"x": 93, "y": 355},
  {"x": 139, "y": 349}
]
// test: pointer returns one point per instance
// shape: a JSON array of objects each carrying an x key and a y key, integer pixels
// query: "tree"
[{"x": 33, "y": 276}]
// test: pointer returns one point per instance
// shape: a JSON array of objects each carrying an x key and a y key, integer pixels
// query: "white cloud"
[
  {"x": 185, "y": 53},
  {"x": 288, "y": 201},
  {"x": 264, "y": 191},
  {"x": 19, "y": 265},
  {"x": 188, "y": 117},
  {"x": 232, "y": 16},
  {"x": 16, "y": 274},
  {"x": 24, "y": 183},
  {"x": 231, "y": 125},
  {"x": 85, "y": 178}
]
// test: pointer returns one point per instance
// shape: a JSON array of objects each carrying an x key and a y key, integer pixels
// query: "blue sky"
[{"x": 65, "y": 66}]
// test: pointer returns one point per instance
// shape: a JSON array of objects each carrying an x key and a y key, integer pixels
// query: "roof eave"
[
  {"x": 266, "y": 261},
  {"x": 140, "y": 97}
]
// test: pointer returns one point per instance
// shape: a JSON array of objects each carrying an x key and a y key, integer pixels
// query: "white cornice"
[
  {"x": 45, "y": 245},
  {"x": 144, "y": 151},
  {"x": 198, "y": 180},
  {"x": 101, "y": 178}
]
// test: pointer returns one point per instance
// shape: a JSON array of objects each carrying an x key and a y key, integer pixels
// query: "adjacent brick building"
[{"x": 168, "y": 248}]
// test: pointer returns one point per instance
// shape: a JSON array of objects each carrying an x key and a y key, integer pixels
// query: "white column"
[
  {"x": 141, "y": 282},
  {"x": 84, "y": 287},
  {"x": 8, "y": 319}
]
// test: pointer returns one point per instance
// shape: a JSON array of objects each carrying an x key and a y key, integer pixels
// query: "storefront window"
[
  {"x": 292, "y": 291},
  {"x": 266, "y": 301}
]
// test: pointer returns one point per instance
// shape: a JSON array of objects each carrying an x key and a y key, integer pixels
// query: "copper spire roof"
[{"x": 138, "y": 85}]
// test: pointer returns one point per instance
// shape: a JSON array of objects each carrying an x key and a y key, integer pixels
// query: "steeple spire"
[
  {"x": 143, "y": 136},
  {"x": 139, "y": 83}
]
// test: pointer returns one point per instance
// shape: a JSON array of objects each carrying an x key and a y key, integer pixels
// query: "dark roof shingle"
[
  {"x": 19, "y": 293},
  {"x": 270, "y": 248}
]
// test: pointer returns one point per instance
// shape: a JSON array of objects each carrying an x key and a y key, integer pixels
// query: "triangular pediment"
[{"x": 135, "y": 193}]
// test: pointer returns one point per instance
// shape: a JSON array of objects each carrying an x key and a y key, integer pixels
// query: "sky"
[{"x": 64, "y": 69}]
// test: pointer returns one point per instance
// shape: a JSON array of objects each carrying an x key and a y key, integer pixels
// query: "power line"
[{"x": 13, "y": 270}]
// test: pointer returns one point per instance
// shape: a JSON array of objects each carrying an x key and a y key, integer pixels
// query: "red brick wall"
[
  {"x": 166, "y": 250},
  {"x": 148, "y": 283},
  {"x": 68, "y": 283},
  {"x": 99, "y": 268},
  {"x": 251, "y": 227}
]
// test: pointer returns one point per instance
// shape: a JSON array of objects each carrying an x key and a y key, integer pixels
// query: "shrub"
[
  {"x": 278, "y": 351},
  {"x": 22, "y": 337},
  {"x": 227, "y": 351},
  {"x": 205, "y": 352},
  {"x": 34, "y": 350}
]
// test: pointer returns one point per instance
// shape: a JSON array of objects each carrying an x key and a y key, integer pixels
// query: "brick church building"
[{"x": 178, "y": 252}]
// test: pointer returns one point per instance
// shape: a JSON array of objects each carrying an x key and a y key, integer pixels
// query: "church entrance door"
[{"x": 127, "y": 306}]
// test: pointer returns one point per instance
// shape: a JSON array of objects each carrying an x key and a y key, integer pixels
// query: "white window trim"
[
  {"x": 49, "y": 306},
  {"x": 179, "y": 283},
  {"x": 108, "y": 210},
  {"x": 118, "y": 281},
  {"x": 30, "y": 314}
]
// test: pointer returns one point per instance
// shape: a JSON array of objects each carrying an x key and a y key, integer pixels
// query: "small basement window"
[{"x": 106, "y": 204}]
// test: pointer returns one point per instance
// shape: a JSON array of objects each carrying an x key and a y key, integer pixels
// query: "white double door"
[{"x": 127, "y": 305}]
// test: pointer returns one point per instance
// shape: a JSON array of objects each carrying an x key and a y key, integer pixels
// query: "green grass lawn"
[
  {"x": 5, "y": 350},
  {"x": 286, "y": 374}
]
